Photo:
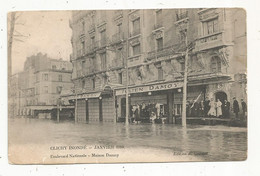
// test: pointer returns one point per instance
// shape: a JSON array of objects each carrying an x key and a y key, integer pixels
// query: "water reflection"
[{"x": 219, "y": 142}]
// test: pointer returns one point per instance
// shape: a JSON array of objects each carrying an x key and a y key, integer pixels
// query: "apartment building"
[
  {"x": 40, "y": 85},
  {"x": 149, "y": 46}
]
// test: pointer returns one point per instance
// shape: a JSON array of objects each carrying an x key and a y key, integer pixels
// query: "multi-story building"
[
  {"x": 150, "y": 46},
  {"x": 40, "y": 85}
]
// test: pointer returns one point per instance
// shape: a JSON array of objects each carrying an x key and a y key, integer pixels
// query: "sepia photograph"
[{"x": 127, "y": 86}]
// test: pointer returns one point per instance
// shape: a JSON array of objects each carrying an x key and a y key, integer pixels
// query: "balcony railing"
[
  {"x": 135, "y": 60},
  {"x": 165, "y": 51},
  {"x": 135, "y": 32},
  {"x": 181, "y": 16},
  {"x": 210, "y": 41},
  {"x": 118, "y": 37}
]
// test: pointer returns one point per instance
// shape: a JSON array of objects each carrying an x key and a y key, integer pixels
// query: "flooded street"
[{"x": 212, "y": 143}]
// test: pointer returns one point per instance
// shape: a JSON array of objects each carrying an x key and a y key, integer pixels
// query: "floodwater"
[{"x": 212, "y": 143}]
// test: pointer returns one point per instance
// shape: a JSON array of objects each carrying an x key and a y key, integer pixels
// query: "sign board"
[{"x": 150, "y": 88}]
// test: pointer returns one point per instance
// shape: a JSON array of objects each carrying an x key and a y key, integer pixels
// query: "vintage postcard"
[{"x": 117, "y": 86}]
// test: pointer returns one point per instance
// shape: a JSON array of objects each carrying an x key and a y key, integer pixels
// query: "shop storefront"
[{"x": 146, "y": 102}]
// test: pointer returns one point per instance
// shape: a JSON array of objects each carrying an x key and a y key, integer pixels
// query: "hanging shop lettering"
[{"x": 149, "y": 88}]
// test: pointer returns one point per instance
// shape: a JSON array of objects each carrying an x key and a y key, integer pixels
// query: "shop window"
[
  {"x": 177, "y": 109},
  {"x": 210, "y": 27},
  {"x": 215, "y": 64}
]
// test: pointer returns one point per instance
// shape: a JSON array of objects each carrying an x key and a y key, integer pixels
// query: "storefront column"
[
  {"x": 100, "y": 110},
  {"x": 87, "y": 113},
  {"x": 170, "y": 107}
]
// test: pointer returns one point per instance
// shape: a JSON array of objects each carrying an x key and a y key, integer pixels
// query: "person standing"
[
  {"x": 235, "y": 107},
  {"x": 219, "y": 108},
  {"x": 212, "y": 110},
  {"x": 226, "y": 108},
  {"x": 244, "y": 107},
  {"x": 206, "y": 107}
]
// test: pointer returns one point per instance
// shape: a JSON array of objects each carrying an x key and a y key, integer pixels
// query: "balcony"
[
  {"x": 135, "y": 32},
  {"x": 91, "y": 28},
  {"x": 166, "y": 51},
  {"x": 135, "y": 60},
  {"x": 117, "y": 38},
  {"x": 210, "y": 41}
]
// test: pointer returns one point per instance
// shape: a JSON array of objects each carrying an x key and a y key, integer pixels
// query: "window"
[
  {"x": 83, "y": 63},
  {"x": 83, "y": 84},
  {"x": 182, "y": 14},
  {"x": 45, "y": 89},
  {"x": 211, "y": 26},
  {"x": 83, "y": 26},
  {"x": 183, "y": 34},
  {"x": 182, "y": 66},
  {"x": 45, "y": 77},
  {"x": 160, "y": 73},
  {"x": 177, "y": 109},
  {"x": 215, "y": 64},
  {"x": 53, "y": 67},
  {"x": 58, "y": 89},
  {"x": 82, "y": 47},
  {"x": 136, "y": 49},
  {"x": 60, "y": 78},
  {"x": 159, "y": 42},
  {"x": 92, "y": 40},
  {"x": 120, "y": 78},
  {"x": 37, "y": 77},
  {"x": 103, "y": 61},
  {"x": 93, "y": 84},
  {"x": 103, "y": 37},
  {"x": 159, "y": 18},
  {"x": 136, "y": 26},
  {"x": 119, "y": 28}
]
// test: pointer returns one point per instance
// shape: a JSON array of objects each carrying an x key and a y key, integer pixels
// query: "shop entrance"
[
  {"x": 123, "y": 107},
  {"x": 221, "y": 96}
]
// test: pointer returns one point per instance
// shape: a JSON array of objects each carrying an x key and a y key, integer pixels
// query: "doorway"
[
  {"x": 123, "y": 107},
  {"x": 221, "y": 96}
]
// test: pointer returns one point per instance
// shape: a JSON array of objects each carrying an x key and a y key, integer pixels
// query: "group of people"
[
  {"x": 145, "y": 111},
  {"x": 211, "y": 108}
]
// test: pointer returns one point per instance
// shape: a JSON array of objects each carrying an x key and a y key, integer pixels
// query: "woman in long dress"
[
  {"x": 219, "y": 108},
  {"x": 212, "y": 110}
]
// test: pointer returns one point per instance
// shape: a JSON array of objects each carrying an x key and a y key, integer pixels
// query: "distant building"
[
  {"x": 40, "y": 85},
  {"x": 152, "y": 43}
]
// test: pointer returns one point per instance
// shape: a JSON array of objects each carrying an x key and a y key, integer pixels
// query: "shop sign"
[
  {"x": 83, "y": 96},
  {"x": 150, "y": 88}
]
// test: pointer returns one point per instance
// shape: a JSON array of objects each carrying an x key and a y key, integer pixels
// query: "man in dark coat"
[
  {"x": 206, "y": 107},
  {"x": 244, "y": 108},
  {"x": 235, "y": 107},
  {"x": 226, "y": 108}
]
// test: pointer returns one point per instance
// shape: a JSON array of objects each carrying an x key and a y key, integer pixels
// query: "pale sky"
[{"x": 48, "y": 32}]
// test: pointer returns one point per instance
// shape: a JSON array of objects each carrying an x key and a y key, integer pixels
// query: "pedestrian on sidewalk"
[{"x": 235, "y": 107}]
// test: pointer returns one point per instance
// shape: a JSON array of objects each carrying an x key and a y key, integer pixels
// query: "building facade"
[
  {"x": 40, "y": 85},
  {"x": 149, "y": 46}
]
